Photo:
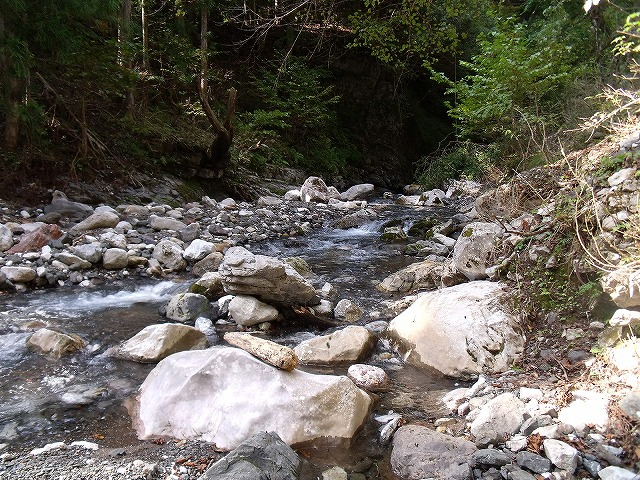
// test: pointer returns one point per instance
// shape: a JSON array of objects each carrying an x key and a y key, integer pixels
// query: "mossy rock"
[
  {"x": 396, "y": 222},
  {"x": 423, "y": 228}
]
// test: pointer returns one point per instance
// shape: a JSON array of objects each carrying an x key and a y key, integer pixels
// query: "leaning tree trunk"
[{"x": 217, "y": 156}]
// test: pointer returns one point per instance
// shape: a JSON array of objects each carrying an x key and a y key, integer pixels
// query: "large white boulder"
[
  {"x": 460, "y": 331},
  {"x": 155, "y": 342},
  {"x": 475, "y": 250},
  {"x": 266, "y": 278},
  {"x": 224, "y": 396}
]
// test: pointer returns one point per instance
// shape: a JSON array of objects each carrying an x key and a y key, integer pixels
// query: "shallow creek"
[{"x": 81, "y": 397}]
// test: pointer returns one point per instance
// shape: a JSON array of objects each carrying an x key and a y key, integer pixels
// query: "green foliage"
[
  {"x": 296, "y": 122},
  {"x": 465, "y": 159},
  {"x": 516, "y": 87},
  {"x": 415, "y": 33},
  {"x": 628, "y": 42}
]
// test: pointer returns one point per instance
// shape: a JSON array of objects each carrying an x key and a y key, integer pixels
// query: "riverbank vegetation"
[{"x": 359, "y": 90}]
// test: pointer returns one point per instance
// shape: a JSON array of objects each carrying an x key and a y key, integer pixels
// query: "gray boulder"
[
  {"x": 623, "y": 285},
  {"x": 209, "y": 285},
  {"x": 475, "y": 250},
  {"x": 198, "y": 249},
  {"x": 155, "y": 342},
  {"x": 186, "y": 307},
  {"x": 6, "y": 238},
  {"x": 166, "y": 223},
  {"x": 314, "y": 190},
  {"x": 264, "y": 456},
  {"x": 62, "y": 205},
  {"x": 91, "y": 252},
  {"x": 356, "y": 219},
  {"x": 420, "y": 453},
  {"x": 19, "y": 274},
  {"x": 98, "y": 219},
  {"x": 347, "y": 311},
  {"x": 362, "y": 190},
  {"x": 461, "y": 331},
  {"x": 169, "y": 254},
  {"x": 115, "y": 259},
  {"x": 342, "y": 346},
  {"x": 247, "y": 311},
  {"x": 266, "y": 278},
  {"x": 425, "y": 275},
  {"x": 225, "y": 395},
  {"x": 500, "y": 416}
]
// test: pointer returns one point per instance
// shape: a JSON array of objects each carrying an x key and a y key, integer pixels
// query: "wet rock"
[
  {"x": 534, "y": 463},
  {"x": 269, "y": 352},
  {"x": 98, "y": 219},
  {"x": 115, "y": 259},
  {"x": 6, "y": 238},
  {"x": 169, "y": 254},
  {"x": 264, "y": 456},
  {"x": 475, "y": 250},
  {"x": 393, "y": 234},
  {"x": 298, "y": 406},
  {"x": 186, "y": 307},
  {"x": 369, "y": 377},
  {"x": 499, "y": 417},
  {"x": 356, "y": 219},
  {"x": 347, "y": 345},
  {"x": 562, "y": 455},
  {"x": 460, "y": 331},
  {"x": 36, "y": 239},
  {"x": 155, "y": 342},
  {"x": 19, "y": 274},
  {"x": 54, "y": 343},
  {"x": 246, "y": 310},
  {"x": 425, "y": 275},
  {"x": 198, "y": 249},
  {"x": 266, "y": 278},
  {"x": 419, "y": 453},
  {"x": 347, "y": 311}
]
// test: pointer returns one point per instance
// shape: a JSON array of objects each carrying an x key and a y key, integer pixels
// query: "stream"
[{"x": 82, "y": 396}]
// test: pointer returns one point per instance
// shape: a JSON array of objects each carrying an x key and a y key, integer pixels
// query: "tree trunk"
[
  {"x": 124, "y": 36},
  {"x": 11, "y": 95},
  {"x": 145, "y": 36},
  {"x": 217, "y": 157}
]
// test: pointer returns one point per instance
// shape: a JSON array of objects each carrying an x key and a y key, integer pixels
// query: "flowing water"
[{"x": 81, "y": 396}]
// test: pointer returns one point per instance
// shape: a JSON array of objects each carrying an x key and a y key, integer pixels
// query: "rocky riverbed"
[{"x": 539, "y": 402}]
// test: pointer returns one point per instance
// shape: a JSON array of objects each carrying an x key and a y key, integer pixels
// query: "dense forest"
[{"x": 387, "y": 91}]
